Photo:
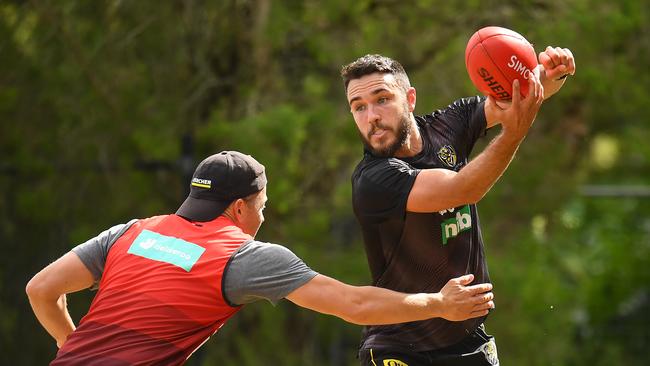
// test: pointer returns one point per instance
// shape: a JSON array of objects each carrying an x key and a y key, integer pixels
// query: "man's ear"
[
  {"x": 235, "y": 209},
  {"x": 411, "y": 97},
  {"x": 238, "y": 206}
]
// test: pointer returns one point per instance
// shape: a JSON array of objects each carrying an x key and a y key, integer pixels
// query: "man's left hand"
[{"x": 557, "y": 62}]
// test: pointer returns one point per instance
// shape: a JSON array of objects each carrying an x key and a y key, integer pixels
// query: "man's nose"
[{"x": 373, "y": 116}]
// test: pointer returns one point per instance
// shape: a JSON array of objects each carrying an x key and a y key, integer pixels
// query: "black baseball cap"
[{"x": 219, "y": 180}]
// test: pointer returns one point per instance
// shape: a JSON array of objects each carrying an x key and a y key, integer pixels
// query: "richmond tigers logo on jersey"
[{"x": 447, "y": 155}]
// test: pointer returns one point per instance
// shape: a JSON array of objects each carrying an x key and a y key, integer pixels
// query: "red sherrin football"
[{"x": 495, "y": 57}]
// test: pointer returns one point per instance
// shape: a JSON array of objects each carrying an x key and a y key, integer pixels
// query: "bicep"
[
  {"x": 263, "y": 271},
  {"x": 66, "y": 274},
  {"x": 435, "y": 190}
]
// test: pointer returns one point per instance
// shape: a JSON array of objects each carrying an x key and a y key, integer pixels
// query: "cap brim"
[{"x": 195, "y": 209}]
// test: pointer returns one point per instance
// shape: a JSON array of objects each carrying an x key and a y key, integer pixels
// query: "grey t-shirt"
[{"x": 256, "y": 271}]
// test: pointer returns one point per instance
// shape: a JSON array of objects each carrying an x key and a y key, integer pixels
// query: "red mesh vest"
[{"x": 160, "y": 295}]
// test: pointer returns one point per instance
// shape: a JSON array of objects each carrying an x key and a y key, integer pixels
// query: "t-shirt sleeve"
[
  {"x": 464, "y": 121},
  {"x": 93, "y": 252},
  {"x": 381, "y": 187},
  {"x": 471, "y": 113},
  {"x": 263, "y": 271}
]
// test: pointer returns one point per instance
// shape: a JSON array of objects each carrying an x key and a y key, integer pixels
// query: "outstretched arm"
[
  {"x": 368, "y": 305},
  {"x": 47, "y": 289},
  {"x": 440, "y": 189}
]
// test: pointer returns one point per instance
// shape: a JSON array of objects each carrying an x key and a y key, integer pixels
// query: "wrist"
[
  {"x": 436, "y": 305},
  {"x": 508, "y": 138}
]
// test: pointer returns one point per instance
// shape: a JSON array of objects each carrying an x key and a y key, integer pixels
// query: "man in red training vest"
[{"x": 167, "y": 283}]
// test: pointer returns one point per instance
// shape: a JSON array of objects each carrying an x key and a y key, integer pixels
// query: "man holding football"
[{"x": 414, "y": 195}]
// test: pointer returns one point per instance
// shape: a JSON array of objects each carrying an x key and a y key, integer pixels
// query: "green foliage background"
[{"x": 106, "y": 105}]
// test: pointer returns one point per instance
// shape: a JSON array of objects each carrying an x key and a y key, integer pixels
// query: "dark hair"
[{"x": 370, "y": 64}]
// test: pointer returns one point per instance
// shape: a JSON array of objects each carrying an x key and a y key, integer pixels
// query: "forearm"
[
  {"x": 53, "y": 315},
  {"x": 47, "y": 289},
  {"x": 370, "y": 305},
  {"x": 456, "y": 301},
  {"x": 365, "y": 305},
  {"x": 477, "y": 177}
]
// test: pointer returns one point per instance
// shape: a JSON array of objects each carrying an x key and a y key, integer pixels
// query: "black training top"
[{"x": 419, "y": 252}]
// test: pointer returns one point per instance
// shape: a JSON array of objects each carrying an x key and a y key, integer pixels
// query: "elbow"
[
  {"x": 468, "y": 197},
  {"x": 475, "y": 197},
  {"x": 36, "y": 289},
  {"x": 33, "y": 288},
  {"x": 463, "y": 191},
  {"x": 473, "y": 194},
  {"x": 357, "y": 317},
  {"x": 356, "y": 312}
]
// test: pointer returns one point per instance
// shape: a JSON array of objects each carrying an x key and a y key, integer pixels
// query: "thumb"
[
  {"x": 556, "y": 72},
  {"x": 466, "y": 279}
]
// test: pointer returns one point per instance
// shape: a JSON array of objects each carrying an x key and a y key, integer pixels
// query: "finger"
[
  {"x": 539, "y": 90},
  {"x": 480, "y": 288},
  {"x": 546, "y": 61},
  {"x": 555, "y": 57},
  {"x": 516, "y": 94},
  {"x": 483, "y": 306},
  {"x": 556, "y": 72},
  {"x": 530, "y": 97},
  {"x": 465, "y": 280},
  {"x": 539, "y": 98},
  {"x": 487, "y": 306},
  {"x": 480, "y": 313},
  {"x": 561, "y": 70},
  {"x": 482, "y": 298},
  {"x": 571, "y": 66},
  {"x": 533, "y": 90},
  {"x": 564, "y": 58}
]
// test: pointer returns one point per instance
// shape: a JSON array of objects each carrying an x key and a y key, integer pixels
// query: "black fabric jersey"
[{"x": 419, "y": 252}]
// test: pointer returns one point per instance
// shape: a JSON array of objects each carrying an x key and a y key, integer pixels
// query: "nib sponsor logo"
[{"x": 452, "y": 227}]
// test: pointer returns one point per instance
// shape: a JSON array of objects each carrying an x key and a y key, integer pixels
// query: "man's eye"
[
  {"x": 360, "y": 108},
  {"x": 382, "y": 100}
]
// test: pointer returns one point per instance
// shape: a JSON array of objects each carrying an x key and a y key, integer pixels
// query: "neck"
[
  {"x": 228, "y": 214},
  {"x": 413, "y": 144}
]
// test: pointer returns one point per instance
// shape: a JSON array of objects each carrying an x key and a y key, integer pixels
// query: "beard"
[{"x": 402, "y": 134}]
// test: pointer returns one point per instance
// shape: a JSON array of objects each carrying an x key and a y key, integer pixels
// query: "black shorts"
[{"x": 478, "y": 349}]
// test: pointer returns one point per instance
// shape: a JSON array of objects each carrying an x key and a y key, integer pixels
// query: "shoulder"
[
  {"x": 458, "y": 106},
  {"x": 258, "y": 248},
  {"x": 262, "y": 257},
  {"x": 381, "y": 186},
  {"x": 263, "y": 271},
  {"x": 94, "y": 251},
  {"x": 110, "y": 235},
  {"x": 465, "y": 117}
]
